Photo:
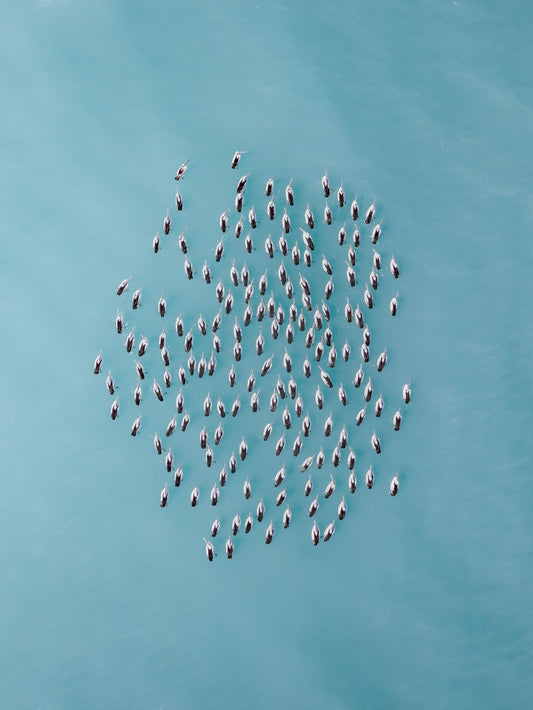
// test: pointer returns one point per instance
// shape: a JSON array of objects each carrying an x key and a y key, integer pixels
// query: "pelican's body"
[
  {"x": 315, "y": 534},
  {"x": 269, "y": 533},
  {"x": 394, "y": 485},
  {"x": 180, "y": 172},
  {"x": 329, "y": 531},
  {"x": 164, "y": 497}
]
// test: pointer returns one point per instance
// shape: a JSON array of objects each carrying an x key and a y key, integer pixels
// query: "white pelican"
[
  {"x": 235, "y": 406},
  {"x": 371, "y": 211},
  {"x": 351, "y": 459},
  {"x": 328, "y": 532},
  {"x": 136, "y": 299},
  {"x": 394, "y": 485},
  {"x": 346, "y": 350},
  {"x": 328, "y": 425},
  {"x": 406, "y": 393},
  {"x": 269, "y": 186},
  {"x": 136, "y": 426},
  {"x": 143, "y": 345},
  {"x": 167, "y": 224},
  {"x": 223, "y": 475},
  {"x": 280, "y": 476},
  {"x": 397, "y": 420},
  {"x": 242, "y": 182},
  {"x": 356, "y": 236},
  {"x": 313, "y": 507},
  {"x": 229, "y": 548},
  {"x": 260, "y": 511},
  {"x": 178, "y": 476},
  {"x": 119, "y": 322},
  {"x": 330, "y": 488},
  {"x": 315, "y": 534},
  {"x": 214, "y": 494},
  {"x": 271, "y": 210},
  {"x": 289, "y": 194},
  {"x": 368, "y": 390},
  {"x": 115, "y": 409},
  {"x": 188, "y": 268},
  {"x": 341, "y": 510},
  {"x": 376, "y": 233},
  {"x": 341, "y": 196},
  {"x": 394, "y": 269},
  {"x": 110, "y": 384},
  {"x": 209, "y": 549},
  {"x": 308, "y": 486},
  {"x": 325, "y": 184},
  {"x": 376, "y": 444},
  {"x": 393, "y": 305},
  {"x": 215, "y": 527},
  {"x": 382, "y": 360},
  {"x": 185, "y": 421},
  {"x": 252, "y": 217},
  {"x": 169, "y": 460},
  {"x": 342, "y": 234},
  {"x": 164, "y": 496},
  {"x": 369, "y": 478},
  {"x": 171, "y": 426},
  {"x": 137, "y": 394},
  {"x": 354, "y": 209},
  {"x": 378, "y": 407},
  {"x": 287, "y": 517},
  {"x": 269, "y": 533},
  {"x": 280, "y": 498},
  {"x": 308, "y": 216},
  {"x": 236, "y": 524},
  {"x": 180, "y": 172},
  {"x": 320, "y": 459},
  {"x": 352, "y": 482},
  {"x": 156, "y": 243},
  {"x": 248, "y": 523},
  {"x": 284, "y": 247},
  {"x": 286, "y": 222},
  {"x": 123, "y": 285}
]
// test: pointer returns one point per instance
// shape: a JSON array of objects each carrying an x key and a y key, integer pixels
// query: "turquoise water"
[{"x": 422, "y": 600}]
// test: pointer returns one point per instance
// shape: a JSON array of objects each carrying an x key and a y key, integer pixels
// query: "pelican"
[
  {"x": 119, "y": 322},
  {"x": 307, "y": 257},
  {"x": 214, "y": 494},
  {"x": 123, "y": 285},
  {"x": 393, "y": 305},
  {"x": 274, "y": 399},
  {"x": 219, "y": 433},
  {"x": 221, "y": 408},
  {"x": 329, "y": 531},
  {"x": 366, "y": 336},
  {"x": 292, "y": 388},
  {"x": 236, "y": 158},
  {"x": 179, "y": 326},
  {"x": 313, "y": 507},
  {"x": 308, "y": 239},
  {"x": 280, "y": 476},
  {"x": 376, "y": 444},
  {"x": 376, "y": 233},
  {"x": 269, "y": 186},
  {"x": 188, "y": 268},
  {"x": 115, "y": 409},
  {"x": 269, "y": 533},
  {"x": 209, "y": 549},
  {"x": 395, "y": 271},
  {"x": 346, "y": 350},
  {"x": 342, "y": 234},
  {"x": 315, "y": 534},
  {"x": 371, "y": 211},
  {"x": 332, "y": 356},
  {"x": 296, "y": 254},
  {"x": 352, "y": 255},
  {"x": 271, "y": 306},
  {"x": 267, "y": 431},
  {"x": 169, "y": 460},
  {"x": 289, "y": 194},
  {"x": 247, "y": 316},
  {"x": 356, "y": 236},
  {"x": 249, "y": 243},
  {"x": 178, "y": 477},
  {"x": 235, "y": 407},
  {"x": 280, "y": 498},
  {"x": 369, "y": 478},
  {"x": 308, "y": 216},
  {"x": 342, "y": 395},
  {"x": 109, "y": 383},
  {"x": 254, "y": 401},
  {"x": 326, "y": 379},
  {"x": 319, "y": 398},
  {"x": 238, "y": 228},
  {"x": 330, "y": 488},
  {"x": 242, "y": 182},
  {"x": 306, "y": 425},
  {"x": 325, "y": 184},
  {"x": 208, "y": 403},
  {"x": 394, "y": 485},
  {"x": 156, "y": 388},
  {"x": 336, "y": 456},
  {"x": 164, "y": 496},
  {"x": 182, "y": 242},
  {"x": 260, "y": 511},
  {"x": 319, "y": 351},
  {"x": 287, "y": 517},
  {"x": 203, "y": 438},
  {"x": 310, "y": 337},
  {"x": 374, "y": 280},
  {"x": 267, "y": 365},
  {"x": 406, "y": 393},
  {"x": 341, "y": 196},
  {"x": 320, "y": 459},
  {"x": 136, "y": 426},
  {"x": 308, "y": 487},
  {"x": 171, "y": 426},
  {"x": 232, "y": 376},
  {"x": 378, "y": 407},
  {"x": 248, "y": 523},
  {"x": 348, "y": 311},
  {"x": 382, "y": 360},
  {"x": 327, "y": 214},
  {"x": 269, "y": 247},
  {"x": 280, "y": 444},
  {"x": 185, "y": 421},
  {"x": 167, "y": 224},
  {"x": 181, "y": 170},
  {"x": 368, "y": 390},
  {"x": 136, "y": 299},
  {"x": 229, "y": 548},
  {"x": 287, "y": 361},
  {"x": 143, "y": 345},
  {"x": 397, "y": 420},
  {"x": 274, "y": 328},
  {"x": 289, "y": 332},
  {"x": 223, "y": 220},
  {"x": 365, "y": 352},
  {"x": 238, "y": 202},
  {"x": 259, "y": 344},
  {"x": 377, "y": 260},
  {"x": 162, "y": 339},
  {"x": 166, "y": 357},
  {"x": 286, "y": 222},
  {"x": 223, "y": 475},
  {"x": 195, "y": 494},
  {"x": 351, "y": 459},
  {"x": 350, "y": 274},
  {"x": 354, "y": 209},
  {"x": 252, "y": 217},
  {"x": 215, "y": 527},
  {"x": 137, "y": 394},
  {"x": 328, "y": 335},
  {"x": 236, "y": 524},
  {"x": 228, "y": 304},
  {"x": 369, "y": 299},
  {"x": 328, "y": 425},
  {"x": 284, "y": 247},
  {"x": 298, "y": 405},
  {"x": 301, "y": 322},
  {"x": 234, "y": 274},
  {"x": 180, "y": 401},
  {"x": 156, "y": 243},
  {"x": 359, "y": 418},
  {"x": 352, "y": 482},
  {"x": 271, "y": 210},
  {"x": 341, "y": 510},
  {"x": 243, "y": 449},
  {"x": 326, "y": 265}
]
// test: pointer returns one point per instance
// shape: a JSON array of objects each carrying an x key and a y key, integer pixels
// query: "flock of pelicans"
[{"x": 308, "y": 329}]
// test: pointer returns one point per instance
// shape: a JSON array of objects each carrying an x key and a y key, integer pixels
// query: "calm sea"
[{"x": 418, "y": 601}]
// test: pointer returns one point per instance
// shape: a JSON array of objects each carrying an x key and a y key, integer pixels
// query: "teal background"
[{"x": 421, "y": 601}]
